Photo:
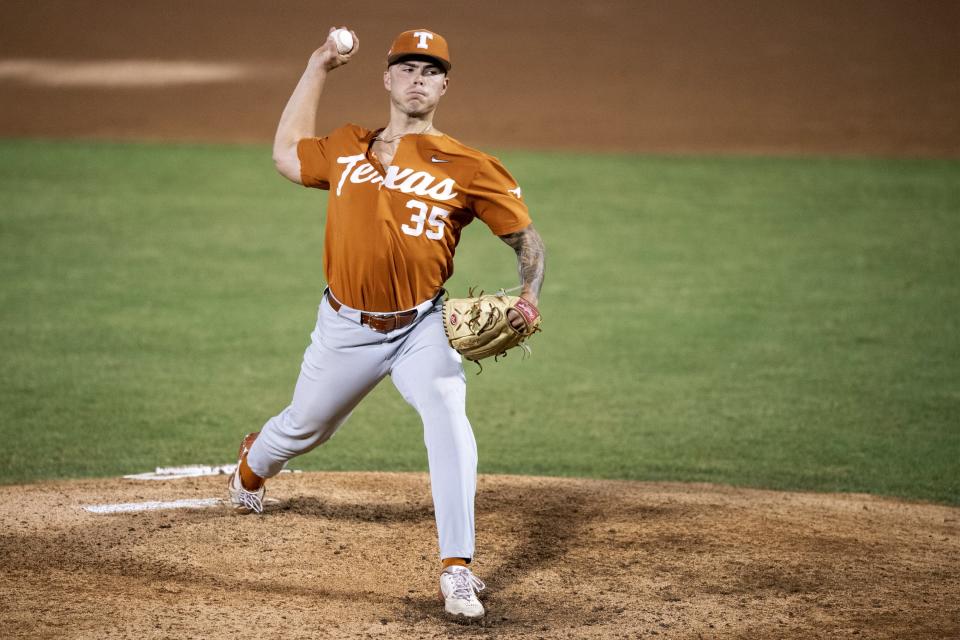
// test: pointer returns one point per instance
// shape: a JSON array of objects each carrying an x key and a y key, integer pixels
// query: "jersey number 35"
[{"x": 435, "y": 221}]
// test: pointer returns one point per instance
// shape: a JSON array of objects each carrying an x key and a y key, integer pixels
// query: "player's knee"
[{"x": 450, "y": 390}]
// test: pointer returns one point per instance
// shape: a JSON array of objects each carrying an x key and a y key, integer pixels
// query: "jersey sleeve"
[
  {"x": 314, "y": 164},
  {"x": 496, "y": 199}
]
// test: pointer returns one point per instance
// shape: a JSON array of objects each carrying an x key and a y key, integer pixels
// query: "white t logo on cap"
[{"x": 423, "y": 36}]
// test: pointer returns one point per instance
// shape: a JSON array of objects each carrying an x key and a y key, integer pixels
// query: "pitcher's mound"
[{"x": 347, "y": 555}]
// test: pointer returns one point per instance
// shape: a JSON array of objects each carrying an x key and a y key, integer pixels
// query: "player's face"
[{"x": 415, "y": 86}]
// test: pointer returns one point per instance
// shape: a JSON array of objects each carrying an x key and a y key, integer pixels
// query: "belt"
[{"x": 380, "y": 322}]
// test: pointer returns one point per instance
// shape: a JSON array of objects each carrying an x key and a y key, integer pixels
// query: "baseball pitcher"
[{"x": 399, "y": 197}]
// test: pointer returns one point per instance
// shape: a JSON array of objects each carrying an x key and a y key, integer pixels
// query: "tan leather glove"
[{"x": 478, "y": 326}]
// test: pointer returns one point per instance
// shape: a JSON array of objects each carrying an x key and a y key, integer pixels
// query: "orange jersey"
[{"x": 391, "y": 234}]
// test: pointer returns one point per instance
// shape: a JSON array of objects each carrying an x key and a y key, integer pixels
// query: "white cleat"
[
  {"x": 459, "y": 588},
  {"x": 243, "y": 500}
]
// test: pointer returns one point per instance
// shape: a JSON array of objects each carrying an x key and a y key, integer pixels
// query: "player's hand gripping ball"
[
  {"x": 478, "y": 327},
  {"x": 337, "y": 50},
  {"x": 344, "y": 40}
]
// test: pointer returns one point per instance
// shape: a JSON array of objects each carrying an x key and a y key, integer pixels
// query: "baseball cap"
[{"x": 420, "y": 42}]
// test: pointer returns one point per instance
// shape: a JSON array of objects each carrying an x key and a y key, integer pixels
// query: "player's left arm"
[{"x": 531, "y": 263}]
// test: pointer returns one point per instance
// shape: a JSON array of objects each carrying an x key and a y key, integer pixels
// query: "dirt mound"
[{"x": 343, "y": 555}]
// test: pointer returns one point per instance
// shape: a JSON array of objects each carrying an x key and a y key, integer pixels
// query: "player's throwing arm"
[{"x": 299, "y": 119}]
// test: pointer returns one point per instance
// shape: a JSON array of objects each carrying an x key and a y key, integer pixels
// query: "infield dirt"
[{"x": 348, "y": 555}]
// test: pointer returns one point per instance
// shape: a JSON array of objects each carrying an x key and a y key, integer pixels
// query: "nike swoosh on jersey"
[{"x": 437, "y": 160}]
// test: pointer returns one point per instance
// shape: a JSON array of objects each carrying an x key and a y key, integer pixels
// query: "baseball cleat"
[
  {"x": 243, "y": 500},
  {"x": 459, "y": 588}
]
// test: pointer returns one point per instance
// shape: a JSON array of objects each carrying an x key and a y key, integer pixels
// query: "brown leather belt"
[{"x": 381, "y": 323}]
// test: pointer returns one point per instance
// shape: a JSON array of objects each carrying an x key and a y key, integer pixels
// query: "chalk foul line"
[
  {"x": 132, "y": 507},
  {"x": 189, "y": 471},
  {"x": 186, "y": 471},
  {"x": 128, "y": 507}
]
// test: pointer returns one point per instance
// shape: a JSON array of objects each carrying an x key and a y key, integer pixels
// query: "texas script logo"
[{"x": 419, "y": 183}]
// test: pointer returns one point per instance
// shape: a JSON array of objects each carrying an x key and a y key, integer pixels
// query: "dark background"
[{"x": 877, "y": 77}]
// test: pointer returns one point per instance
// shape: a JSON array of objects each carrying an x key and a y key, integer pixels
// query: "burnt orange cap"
[{"x": 420, "y": 42}]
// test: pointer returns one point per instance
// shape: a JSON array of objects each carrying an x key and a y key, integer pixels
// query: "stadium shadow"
[
  {"x": 542, "y": 524},
  {"x": 318, "y": 507}
]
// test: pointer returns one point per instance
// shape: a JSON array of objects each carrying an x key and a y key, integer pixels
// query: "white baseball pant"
[{"x": 344, "y": 362}]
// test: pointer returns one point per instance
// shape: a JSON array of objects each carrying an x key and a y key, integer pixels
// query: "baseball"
[{"x": 344, "y": 40}]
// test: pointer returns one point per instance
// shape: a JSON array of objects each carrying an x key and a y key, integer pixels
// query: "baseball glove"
[{"x": 478, "y": 327}]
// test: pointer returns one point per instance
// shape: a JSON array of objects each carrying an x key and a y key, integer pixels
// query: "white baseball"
[{"x": 344, "y": 40}]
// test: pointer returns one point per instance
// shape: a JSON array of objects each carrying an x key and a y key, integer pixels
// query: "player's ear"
[
  {"x": 446, "y": 81},
  {"x": 386, "y": 79}
]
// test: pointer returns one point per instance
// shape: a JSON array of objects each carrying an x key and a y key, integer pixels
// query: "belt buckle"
[
  {"x": 385, "y": 323},
  {"x": 381, "y": 323}
]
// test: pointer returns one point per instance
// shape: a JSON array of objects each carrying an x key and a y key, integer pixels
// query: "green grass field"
[{"x": 781, "y": 323}]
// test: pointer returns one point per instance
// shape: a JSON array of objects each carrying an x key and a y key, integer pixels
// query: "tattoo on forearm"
[{"x": 531, "y": 257}]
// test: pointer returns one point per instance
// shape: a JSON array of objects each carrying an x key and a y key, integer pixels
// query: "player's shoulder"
[
  {"x": 351, "y": 131},
  {"x": 478, "y": 162},
  {"x": 452, "y": 145}
]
